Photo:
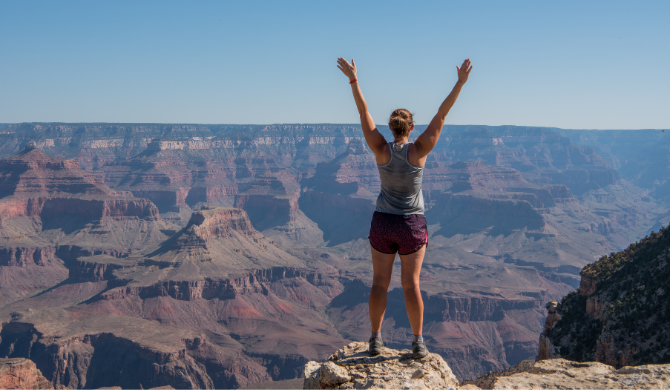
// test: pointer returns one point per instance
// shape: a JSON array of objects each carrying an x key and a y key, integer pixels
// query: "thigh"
[
  {"x": 382, "y": 266},
  {"x": 411, "y": 267}
]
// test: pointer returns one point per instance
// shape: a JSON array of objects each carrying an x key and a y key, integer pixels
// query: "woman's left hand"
[{"x": 348, "y": 69}]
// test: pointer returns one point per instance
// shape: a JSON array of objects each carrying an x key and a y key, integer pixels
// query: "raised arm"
[
  {"x": 428, "y": 139},
  {"x": 373, "y": 137}
]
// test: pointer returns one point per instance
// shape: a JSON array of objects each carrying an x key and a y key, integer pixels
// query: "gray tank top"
[{"x": 401, "y": 184}]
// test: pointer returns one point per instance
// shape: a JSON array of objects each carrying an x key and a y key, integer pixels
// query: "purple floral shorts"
[{"x": 391, "y": 233}]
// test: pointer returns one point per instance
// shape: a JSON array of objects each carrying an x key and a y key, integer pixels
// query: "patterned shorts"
[{"x": 391, "y": 233}]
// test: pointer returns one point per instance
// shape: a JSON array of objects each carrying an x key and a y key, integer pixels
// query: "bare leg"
[
  {"x": 382, "y": 265},
  {"x": 411, "y": 270}
]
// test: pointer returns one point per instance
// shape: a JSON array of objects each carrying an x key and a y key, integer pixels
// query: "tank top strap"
[{"x": 401, "y": 151}]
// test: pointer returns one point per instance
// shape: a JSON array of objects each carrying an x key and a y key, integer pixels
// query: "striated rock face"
[
  {"x": 88, "y": 209},
  {"x": 21, "y": 373},
  {"x": 255, "y": 282},
  {"x": 353, "y": 368},
  {"x": 32, "y": 172},
  {"x": 22, "y": 256}
]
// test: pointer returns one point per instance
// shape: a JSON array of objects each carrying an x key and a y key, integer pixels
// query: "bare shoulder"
[
  {"x": 382, "y": 153},
  {"x": 414, "y": 155}
]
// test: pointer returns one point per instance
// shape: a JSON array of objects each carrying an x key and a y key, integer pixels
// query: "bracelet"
[{"x": 353, "y": 81}]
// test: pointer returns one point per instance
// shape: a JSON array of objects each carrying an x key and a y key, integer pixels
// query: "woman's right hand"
[
  {"x": 348, "y": 69},
  {"x": 464, "y": 71}
]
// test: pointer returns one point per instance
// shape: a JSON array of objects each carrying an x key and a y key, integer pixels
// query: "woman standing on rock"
[{"x": 398, "y": 224}]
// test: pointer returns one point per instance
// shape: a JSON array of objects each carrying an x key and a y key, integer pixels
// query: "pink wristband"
[{"x": 353, "y": 81}]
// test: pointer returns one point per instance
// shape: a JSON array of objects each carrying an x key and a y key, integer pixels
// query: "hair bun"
[{"x": 401, "y": 122}]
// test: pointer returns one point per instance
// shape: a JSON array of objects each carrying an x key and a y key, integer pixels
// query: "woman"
[{"x": 398, "y": 224}]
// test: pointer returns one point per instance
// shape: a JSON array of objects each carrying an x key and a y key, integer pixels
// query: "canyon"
[{"x": 227, "y": 255}]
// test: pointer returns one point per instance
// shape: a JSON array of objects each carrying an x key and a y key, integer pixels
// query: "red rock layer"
[
  {"x": 32, "y": 172},
  {"x": 21, "y": 373}
]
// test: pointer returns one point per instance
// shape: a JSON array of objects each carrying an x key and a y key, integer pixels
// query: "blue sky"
[{"x": 569, "y": 64}]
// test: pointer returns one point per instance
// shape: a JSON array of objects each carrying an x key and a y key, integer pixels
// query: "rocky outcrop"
[
  {"x": 353, "y": 368},
  {"x": 619, "y": 315},
  {"x": 547, "y": 350},
  {"x": 21, "y": 373}
]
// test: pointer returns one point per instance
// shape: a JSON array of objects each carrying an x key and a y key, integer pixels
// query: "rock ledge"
[
  {"x": 565, "y": 374},
  {"x": 353, "y": 368}
]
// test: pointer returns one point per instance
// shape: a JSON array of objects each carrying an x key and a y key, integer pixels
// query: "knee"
[
  {"x": 380, "y": 284},
  {"x": 410, "y": 285}
]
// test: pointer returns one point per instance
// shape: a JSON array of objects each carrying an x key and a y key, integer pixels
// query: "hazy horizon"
[{"x": 313, "y": 123}]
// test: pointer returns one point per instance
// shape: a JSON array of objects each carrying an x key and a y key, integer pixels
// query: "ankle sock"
[
  {"x": 418, "y": 339},
  {"x": 378, "y": 335}
]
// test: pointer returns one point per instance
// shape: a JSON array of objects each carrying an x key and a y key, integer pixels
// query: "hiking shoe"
[
  {"x": 375, "y": 346},
  {"x": 419, "y": 350}
]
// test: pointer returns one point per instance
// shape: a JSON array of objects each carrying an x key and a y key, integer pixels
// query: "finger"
[
  {"x": 458, "y": 69},
  {"x": 470, "y": 69}
]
